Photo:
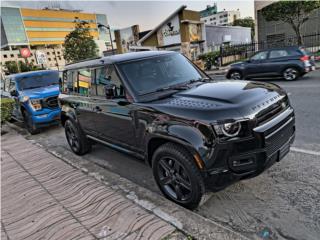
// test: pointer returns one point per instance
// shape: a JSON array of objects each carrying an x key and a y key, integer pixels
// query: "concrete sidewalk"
[{"x": 43, "y": 197}]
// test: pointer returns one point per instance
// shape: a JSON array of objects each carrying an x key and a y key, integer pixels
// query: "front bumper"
[
  {"x": 246, "y": 158},
  {"x": 46, "y": 117}
]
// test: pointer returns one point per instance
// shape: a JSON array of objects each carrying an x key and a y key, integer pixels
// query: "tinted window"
[
  {"x": 106, "y": 77},
  {"x": 278, "y": 53},
  {"x": 149, "y": 75},
  {"x": 38, "y": 80},
  {"x": 260, "y": 56}
]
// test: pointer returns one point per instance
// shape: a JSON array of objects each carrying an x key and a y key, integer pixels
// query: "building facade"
[
  {"x": 280, "y": 31},
  {"x": 182, "y": 31},
  {"x": 211, "y": 16},
  {"x": 44, "y": 30}
]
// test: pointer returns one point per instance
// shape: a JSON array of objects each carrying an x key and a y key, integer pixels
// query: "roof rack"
[{"x": 84, "y": 60}]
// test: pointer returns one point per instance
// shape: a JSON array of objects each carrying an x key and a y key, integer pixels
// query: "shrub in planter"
[
  {"x": 209, "y": 59},
  {"x": 6, "y": 109}
]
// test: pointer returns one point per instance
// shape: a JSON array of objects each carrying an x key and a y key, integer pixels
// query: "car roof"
[
  {"x": 282, "y": 48},
  {"x": 31, "y": 73},
  {"x": 125, "y": 57}
]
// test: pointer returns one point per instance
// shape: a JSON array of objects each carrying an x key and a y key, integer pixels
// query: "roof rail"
[{"x": 83, "y": 60}]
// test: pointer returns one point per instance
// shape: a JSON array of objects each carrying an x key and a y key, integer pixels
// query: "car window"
[
  {"x": 12, "y": 85},
  {"x": 278, "y": 53},
  {"x": 107, "y": 80},
  {"x": 260, "y": 56},
  {"x": 6, "y": 84}
]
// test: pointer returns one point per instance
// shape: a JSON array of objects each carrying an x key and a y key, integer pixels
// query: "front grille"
[
  {"x": 275, "y": 140},
  {"x": 50, "y": 102}
]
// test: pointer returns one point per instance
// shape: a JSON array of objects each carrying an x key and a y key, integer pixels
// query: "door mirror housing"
[
  {"x": 14, "y": 93},
  {"x": 110, "y": 91}
]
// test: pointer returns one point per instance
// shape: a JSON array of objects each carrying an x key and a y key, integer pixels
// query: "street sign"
[
  {"x": 41, "y": 57},
  {"x": 25, "y": 52}
]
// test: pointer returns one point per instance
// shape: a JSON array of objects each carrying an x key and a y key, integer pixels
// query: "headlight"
[
  {"x": 25, "y": 99},
  {"x": 35, "y": 104},
  {"x": 232, "y": 129}
]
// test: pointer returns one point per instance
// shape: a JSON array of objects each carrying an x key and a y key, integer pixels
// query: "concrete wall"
[{"x": 215, "y": 35}]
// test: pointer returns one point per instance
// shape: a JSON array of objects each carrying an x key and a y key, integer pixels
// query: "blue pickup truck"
[{"x": 36, "y": 98}]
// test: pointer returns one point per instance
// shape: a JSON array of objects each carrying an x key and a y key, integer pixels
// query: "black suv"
[
  {"x": 289, "y": 63},
  {"x": 197, "y": 134}
]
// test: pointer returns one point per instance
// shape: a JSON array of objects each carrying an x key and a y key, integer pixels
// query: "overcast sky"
[{"x": 147, "y": 14}]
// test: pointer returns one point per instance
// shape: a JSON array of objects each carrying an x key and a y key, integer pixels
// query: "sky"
[{"x": 147, "y": 14}]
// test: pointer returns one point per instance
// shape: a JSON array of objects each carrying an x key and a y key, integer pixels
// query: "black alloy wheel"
[
  {"x": 77, "y": 141},
  {"x": 177, "y": 176}
]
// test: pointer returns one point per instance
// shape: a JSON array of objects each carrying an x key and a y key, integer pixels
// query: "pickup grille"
[{"x": 50, "y": 102}]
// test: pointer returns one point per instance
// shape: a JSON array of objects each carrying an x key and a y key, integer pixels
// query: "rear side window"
[
  {"x": 278, "y": 53},
  {"x": 77, "y": 82}
]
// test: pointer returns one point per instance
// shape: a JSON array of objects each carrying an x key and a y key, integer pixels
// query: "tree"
[
  {"x": 245, "y": 22},
  {"x": 79, "y": 44},
  {"x": 295, "y": 13}
]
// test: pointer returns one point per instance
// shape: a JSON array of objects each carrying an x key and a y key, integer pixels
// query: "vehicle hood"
[
  {"x": 41, "y": 92},
  {"x": 221, "y": 100}
]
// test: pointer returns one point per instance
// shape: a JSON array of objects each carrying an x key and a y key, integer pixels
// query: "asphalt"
[{"x": 281, "y": 203}]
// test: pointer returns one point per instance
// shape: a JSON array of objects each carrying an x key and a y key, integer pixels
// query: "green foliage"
[
  {"x": 295, "y": 13},
  {"x": 79, "y": 44},
  {"x": 209, "y": 58},
  {"x": 11, "y": 67},
  {"x": 6, "y": 109},
  {"x": 245, "y": 22}
]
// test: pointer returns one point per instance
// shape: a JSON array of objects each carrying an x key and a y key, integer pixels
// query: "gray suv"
[{"x": 289, "y": 63}]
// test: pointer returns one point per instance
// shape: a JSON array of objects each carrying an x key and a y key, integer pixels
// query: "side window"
[
  {"x": 70, "y": 82},
  {"x": 12, "y": 85},
  {"x": 260, "y": 56},
  {"x": 278, "y": 54},
  {"x": 84, "y": 82},
  {"x": 6, "y": 84},
  {"x": 108, "y": 83}
]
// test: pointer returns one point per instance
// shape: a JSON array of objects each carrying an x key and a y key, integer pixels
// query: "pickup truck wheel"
[
  {"x": 77, "y": 141},
  {"x": 290, "y": 74},
  {"x": 177, "y": 176},
  {"x": 27, "y": 119}
]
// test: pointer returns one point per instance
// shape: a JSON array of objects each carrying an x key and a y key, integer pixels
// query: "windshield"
[
  {"x": 153, "y": 74},
  {"x": 39, "y": 80}
]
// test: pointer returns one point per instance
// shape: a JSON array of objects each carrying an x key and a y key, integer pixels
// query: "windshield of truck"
[
  {"x": 38, "y": 80},
  {"x": 157, "y": 73}
]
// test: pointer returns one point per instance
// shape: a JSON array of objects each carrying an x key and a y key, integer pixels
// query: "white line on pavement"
[{"x": 294, "y": 149}]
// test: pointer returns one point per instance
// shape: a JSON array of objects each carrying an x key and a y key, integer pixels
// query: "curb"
[{"x": 188, "y": 222}]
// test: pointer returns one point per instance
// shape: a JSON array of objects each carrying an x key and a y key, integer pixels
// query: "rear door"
[
  {"x": 278, "y": 60},
  {"x": 113, "y": 114}
]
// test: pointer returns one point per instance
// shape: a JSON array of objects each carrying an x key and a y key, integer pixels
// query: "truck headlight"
[
  {"x": 233, "y": 129},
  {"x": 35, "y": 104}
]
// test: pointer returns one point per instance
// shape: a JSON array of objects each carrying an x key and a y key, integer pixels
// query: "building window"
[
  {"x": 32, "y": 60},
  {"x": 12, "y": 55},
  {"x": 59, "y": 58},
  {"x": 5, "y": 56},
  {"x": 48, "y": 53},
  {"x": 214, "y": 18},
  {"x": 49, "y": 59},
  {"x": 58, "y": 53}
]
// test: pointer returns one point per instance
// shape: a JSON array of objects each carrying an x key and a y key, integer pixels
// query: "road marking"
[{"x": 305, "y": 151}]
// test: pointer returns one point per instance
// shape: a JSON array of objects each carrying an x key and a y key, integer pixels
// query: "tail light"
[{"x": 304, "y": 58}]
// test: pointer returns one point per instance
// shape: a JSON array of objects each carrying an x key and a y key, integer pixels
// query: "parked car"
[
  {"x": 197, "y": 134},
  {"x": 289, "y": 63},
  {"x": 36, "y": 98}
]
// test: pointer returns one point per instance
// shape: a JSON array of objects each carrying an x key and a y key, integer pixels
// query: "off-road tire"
[
  {"x": 27, "y": 119},
  {"x": 185, "y": 159},
  {"x": 83, "y": 145}
]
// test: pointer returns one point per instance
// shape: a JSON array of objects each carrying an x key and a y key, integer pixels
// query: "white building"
[{"x": 223, "y": 18}]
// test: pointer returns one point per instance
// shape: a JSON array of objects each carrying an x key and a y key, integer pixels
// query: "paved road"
[{"x": 282, "y": 203}]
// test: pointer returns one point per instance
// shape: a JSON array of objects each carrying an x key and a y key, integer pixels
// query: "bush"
[
  {"x": 209, "y": 59},
  {"x": 6, "y": 109}
]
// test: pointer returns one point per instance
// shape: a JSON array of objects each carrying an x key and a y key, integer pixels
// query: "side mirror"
[
  {"x": 14, "y": 93},
  {"x": 110, "y": 91}
]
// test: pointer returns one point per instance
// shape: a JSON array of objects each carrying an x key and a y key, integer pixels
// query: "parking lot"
[{"x": 283, "y": 202}]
